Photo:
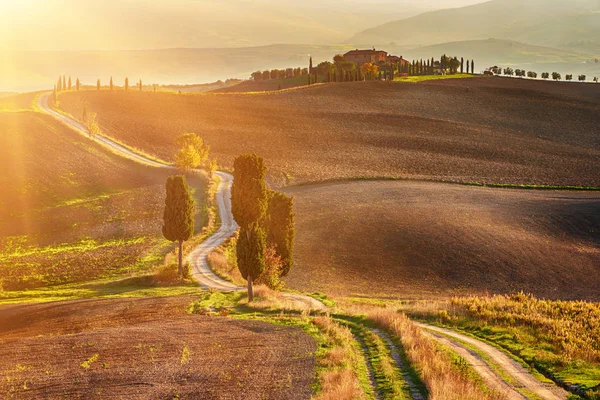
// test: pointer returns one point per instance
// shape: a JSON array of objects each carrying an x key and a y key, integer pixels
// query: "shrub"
[
  {"x": 273, "y": 266},
  {"x": 168, "y": 273}
]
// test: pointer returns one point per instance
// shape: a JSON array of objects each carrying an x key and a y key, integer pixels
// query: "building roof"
[{"x": 363, "y": 52}]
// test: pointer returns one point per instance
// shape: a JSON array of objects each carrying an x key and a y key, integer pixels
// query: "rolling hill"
[
  {"x": 418, "y": 240},
  {"x": 551, "y": 23},
  {"x": 70, "y": 211},
  {"x": 492, "y": 130}
]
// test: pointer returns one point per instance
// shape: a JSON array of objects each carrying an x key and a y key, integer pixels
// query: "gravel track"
[{"x": 512, "y": 368}]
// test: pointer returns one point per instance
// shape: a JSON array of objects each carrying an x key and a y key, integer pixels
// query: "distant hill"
[
  {"x": 155, "y": 24},
  {"x": 491, "y": 52},
  {"x": 553, "y": 23},
  {"x": 27, "y": 71}
]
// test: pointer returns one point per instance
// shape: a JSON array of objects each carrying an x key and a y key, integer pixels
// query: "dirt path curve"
[
  {"x": 522, "y": 377},
  {"x": 206, "y": 278}
]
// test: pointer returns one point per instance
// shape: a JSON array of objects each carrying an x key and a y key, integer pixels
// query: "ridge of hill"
[{"x": 552, "y": 23}]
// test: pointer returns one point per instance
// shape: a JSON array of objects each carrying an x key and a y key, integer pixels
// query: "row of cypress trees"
[
  {"x": 63, "y": 84},
  {"x": 265, "y": 218}
]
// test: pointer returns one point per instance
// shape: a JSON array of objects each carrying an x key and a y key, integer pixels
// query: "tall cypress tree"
[
  {"x": 472, "y": 66},
  {"x": 98, "y": 84},
  {"x": 178, "y": 216},
  {"x": 111, "y": 84},
  {"x": 467, "y": 66},
  {"x": 126, "y": 84},
  {"x": 249, "y": 205},
  {"x": 70, "y": 85},
  {"x": 77, "y": 84},
  {"x": 279, "y": 224},
  {"x": 64, "y": 82},
  {"x": 141, "y": 85},
  {"x": 59, "y": 84},
  {"x": 462, "y": 64}
]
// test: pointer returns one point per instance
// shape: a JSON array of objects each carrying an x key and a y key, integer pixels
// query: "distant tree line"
[
  {"x": 277, "y": 74},
  {"x": 521, "y": 73},
  {"x": 341, "y": 70},
  {"x": 63, "y": 85}
]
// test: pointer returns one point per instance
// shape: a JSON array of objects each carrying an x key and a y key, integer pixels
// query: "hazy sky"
[{"x": 149, "y": 24}]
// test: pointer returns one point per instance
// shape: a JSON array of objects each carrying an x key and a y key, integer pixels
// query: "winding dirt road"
[
  {"x": 521, "y": 378},
  {"x": 198, "y": 258}
]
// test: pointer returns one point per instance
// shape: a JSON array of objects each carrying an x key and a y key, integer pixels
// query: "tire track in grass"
[
  {"x": 413, "y": 388},
  {"x": 522, "y": 380},
  {"x": 388, "y": 379}
]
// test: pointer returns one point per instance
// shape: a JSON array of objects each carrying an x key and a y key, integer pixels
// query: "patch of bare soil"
[
  {"x": 147, "y": 349},
  {"x": 413, "y": 239},
  {"x": 467, "y": 131}
]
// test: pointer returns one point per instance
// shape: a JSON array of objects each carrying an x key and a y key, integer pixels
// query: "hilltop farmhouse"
[{"x": 360, "y": 57}]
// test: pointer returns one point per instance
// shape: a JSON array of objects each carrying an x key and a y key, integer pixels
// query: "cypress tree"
[
  {"x": 141, "y": 85},
  {"x": 249, "y": 203},
  {"x": 462, "y": 63},
  {"x": 467, "y": 66},
  {"x": 126, "y": 84},
  {"x": 64, "y": 83},
  {"x": 178, "y": 216},
  {"x": 279, "y": 225},
  {"x": 98, "y": 84},
  {"x": 111, "y": 84},
  {"x": 77, "y": 84},
  {"x": 472, "y": 66},
  {"x": 70, "y": 85},
  {"x": 250, "y": 250},
  {"x": 59, "y": 84}
]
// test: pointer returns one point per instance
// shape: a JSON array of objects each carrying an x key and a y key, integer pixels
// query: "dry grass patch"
[
  {"x": 561, "y": 339},
  {"x": 337, "y": 376}
]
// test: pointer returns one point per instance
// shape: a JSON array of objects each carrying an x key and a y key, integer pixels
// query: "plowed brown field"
[
  {"x": 148, "y": 349},
  {"x": 486, "y": 130},
  {"x": 69, "y": 210},
  {"x": 414, "y": 239}
]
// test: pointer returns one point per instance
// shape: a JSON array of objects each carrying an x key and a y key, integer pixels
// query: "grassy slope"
[
  {"x": 409, "y": 239},
  {"x": 509, "y": 131},
  {"x": 71, "y": 211}
]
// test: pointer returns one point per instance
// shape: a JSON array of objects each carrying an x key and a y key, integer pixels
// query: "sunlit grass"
[
  {"x": 78, "y": 247},
  {"x": 416, "y": 79},
  {"x": 116, "y": 288}
]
